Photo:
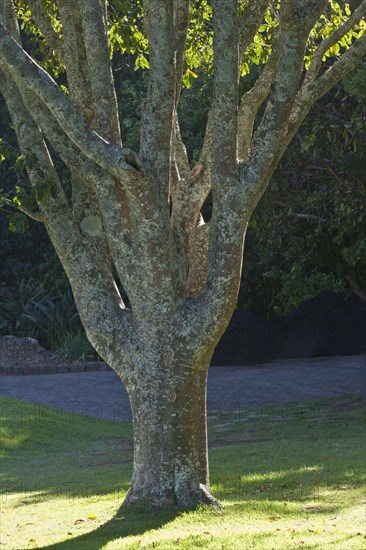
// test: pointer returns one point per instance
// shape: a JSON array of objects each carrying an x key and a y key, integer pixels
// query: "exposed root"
[
  {"x": 152, "y": 500},
  {"x": 155, "y": 501}
]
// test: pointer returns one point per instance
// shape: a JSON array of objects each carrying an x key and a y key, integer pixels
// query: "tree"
[{"x": 137, "y": 217}]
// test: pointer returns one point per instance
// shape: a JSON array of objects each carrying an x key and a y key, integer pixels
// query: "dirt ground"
[{"x": 16, "y": 351}]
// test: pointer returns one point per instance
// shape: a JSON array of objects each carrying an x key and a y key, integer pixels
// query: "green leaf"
[
  {"x": 18, "y": 223},
  {"x": 141, "y": 62}
]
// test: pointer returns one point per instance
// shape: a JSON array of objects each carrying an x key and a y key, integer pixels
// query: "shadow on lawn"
[
  {"x": 128, "y": 523},
  {"x": 124, "y": 524}
]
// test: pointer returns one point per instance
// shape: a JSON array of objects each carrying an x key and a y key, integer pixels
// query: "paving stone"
[{"x": 101, "y": 394}]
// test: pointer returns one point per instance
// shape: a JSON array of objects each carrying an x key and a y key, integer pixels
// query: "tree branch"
[
  {"x": 225, "y": 91},
  {"x": 114, "y": 159},
  {"x": 109, "y": 198},
  {"x": 181, "y": 22},
  {"x": 306, "y": 96},
  {"x": 36, "y": 216},
  {"x": 311, "y": 90},
  {"x": 43, "y": 23},
  {"x": 88, "y": 66},
  {"x": 249, "y": 105},
  {"x": 296, "y": 21},
  {"x": 107, "y": 323},
  {"x": 105, "y": 106},
  {"x": 180, "y": 164},
  {"x": 7, "y": 17},
  {"x": 352, "y": 279},
  {"x": 343, "y": 66},
  {"x": 101, "y": 307},
  {"x": 154, "y": 242},
  {"x": 75, "y": 60},
  {"x": 196, "y": 280},
  {"x": 180, "y": 158},
  {"x": 29, "y": 136},
  {"x": 156, "y": 120},
  {"x": 188, "y": 195},
  {"x": 332, "y": 39},
  {"x": 227, "y": 224},
  {"x": 32, "y": 145},
  {"x": 251, "y": 20}
]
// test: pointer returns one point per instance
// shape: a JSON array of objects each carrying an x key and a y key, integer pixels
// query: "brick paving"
[{"x": 100, "y": 394}]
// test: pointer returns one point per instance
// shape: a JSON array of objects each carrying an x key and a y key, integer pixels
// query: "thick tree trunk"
[{"x": 170, "y": 436}]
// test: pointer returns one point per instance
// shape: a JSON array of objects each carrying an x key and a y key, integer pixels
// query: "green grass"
[{"x": 288, "y": 476}]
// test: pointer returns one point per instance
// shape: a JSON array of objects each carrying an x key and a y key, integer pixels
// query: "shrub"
[
  {"x": 76, "y": 347},
  {"x": 297, "y": 288},
  {"x": 28, "y": 311}
]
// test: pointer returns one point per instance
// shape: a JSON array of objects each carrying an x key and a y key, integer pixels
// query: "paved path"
[{"x": 101, "y": 394}]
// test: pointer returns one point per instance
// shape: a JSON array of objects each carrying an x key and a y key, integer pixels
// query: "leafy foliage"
[
  {"x": 28, "y": 311},
  {"x": 336, "y": 14},
  {"x": 193, "y": 111},
  {"x": 126, "y": 32},
  {"x": 308, "y": 232},
  {"x": 296, "y": 288},
  {"x": 76, "y": 347},
  {"x": 130, "y": 88},
  {"x": 35, "y": 41}
]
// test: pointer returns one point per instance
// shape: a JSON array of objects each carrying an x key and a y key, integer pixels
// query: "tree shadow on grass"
[{"x": 125, "y": 523}]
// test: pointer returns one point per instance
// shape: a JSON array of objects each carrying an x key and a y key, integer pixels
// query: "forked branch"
[{"x": 23, "y": 68}]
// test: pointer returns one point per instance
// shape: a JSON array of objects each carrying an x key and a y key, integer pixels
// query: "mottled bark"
[
  {"x": 141, "y": 214},
  {"x": 170, "y": 434}
]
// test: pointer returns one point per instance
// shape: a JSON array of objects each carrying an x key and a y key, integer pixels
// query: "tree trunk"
[{"x": 170, "y": 435}]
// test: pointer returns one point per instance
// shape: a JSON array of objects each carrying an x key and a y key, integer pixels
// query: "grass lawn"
[{"x": 289, "y": 476}]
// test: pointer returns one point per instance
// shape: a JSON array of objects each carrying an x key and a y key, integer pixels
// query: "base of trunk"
[
  {"x": 168, "y": 406},
  {"x": 155, "y": 499}
]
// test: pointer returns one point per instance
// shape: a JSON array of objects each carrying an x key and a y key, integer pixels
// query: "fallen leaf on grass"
[
  {"x": 273, "y": 518},
  {"x": 78, "y": 521},
  {"x": 93, "y": 516},
  {"x": 70, "y": 533}
]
